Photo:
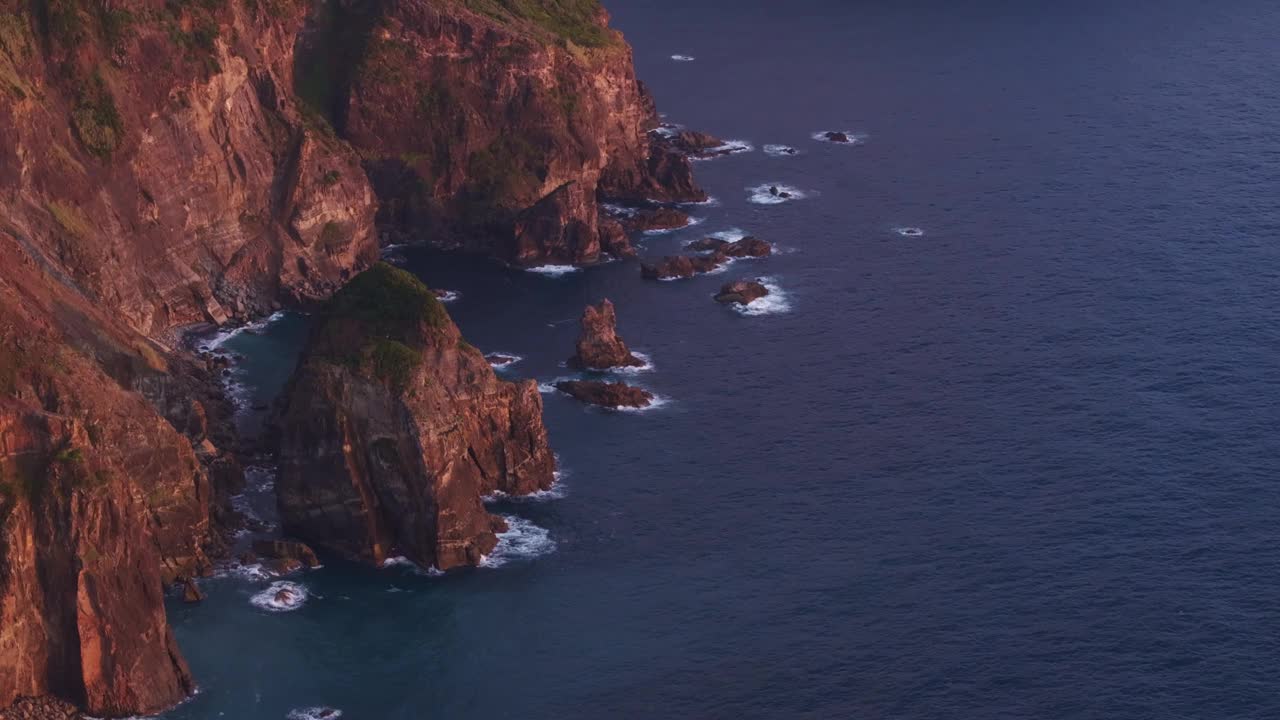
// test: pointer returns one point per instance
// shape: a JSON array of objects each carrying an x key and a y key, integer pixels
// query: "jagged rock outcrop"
[
  {"x": 473, "y": 118},
  {"x": 599, "y": 347},
  {"x": 606, "y": 394},
  {"x": 675, "y": 267},
  {"x": 746, "y": 247},
  {"x": 743, "y": 292},
  {"x": 394, "y": 428}
]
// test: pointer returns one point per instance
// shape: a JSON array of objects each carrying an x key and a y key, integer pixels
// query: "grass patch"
[
  {"x": 570, "y": 21},
  {"x": 375, "y": 324},
  {"x": 70, "y": 219},
  {"x": 95, "y": 118}
]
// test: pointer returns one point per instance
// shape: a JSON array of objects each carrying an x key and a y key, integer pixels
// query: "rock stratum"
[
  {"x": 168, "y": 164},
  {"x": 394, "y": 428}
]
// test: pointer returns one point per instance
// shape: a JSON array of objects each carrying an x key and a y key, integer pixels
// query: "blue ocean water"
[{"x": 1021, "y": 466}]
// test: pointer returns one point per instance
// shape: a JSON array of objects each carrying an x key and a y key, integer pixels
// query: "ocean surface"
[{"x": 1022, "y": 465}]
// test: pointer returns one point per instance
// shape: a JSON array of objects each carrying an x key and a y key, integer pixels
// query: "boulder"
[
  {"x": 836, "y": 137},
  {"x": 742, "y": 292},
  {"x": 606, "y": 394},
  {"x": 287, "y": 550},
  {"x": 660, "y": 218},
  {"x": 682, "y": 266},
  {"x": 746, "y": 247},
  {"x": 191, "y": 592}
]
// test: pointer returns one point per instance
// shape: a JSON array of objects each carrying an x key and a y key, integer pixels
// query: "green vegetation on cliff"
[
  {"x": 570, "y": 20},
  {"x": 375, "y": 323}
]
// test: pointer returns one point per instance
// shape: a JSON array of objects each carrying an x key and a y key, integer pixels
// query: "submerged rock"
[
  {"x": 742, "y": 292},
  {"x": 599, "y": 347},
  {"x": 606, "y": 394},
  {"x": 682, "y": 266},
  {"x": 500, "y": 360},
  {"x": 394, "y": 428},
  {"x": 749, "y": 246}
]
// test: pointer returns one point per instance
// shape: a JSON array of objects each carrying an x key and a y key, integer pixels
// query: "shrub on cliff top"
[
  {"x": 388, "y": 302},
  {"x": 570, "y": 20},
  {"x": 374, "y": 324}
]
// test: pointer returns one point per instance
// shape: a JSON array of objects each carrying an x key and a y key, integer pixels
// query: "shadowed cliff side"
[{"x": 394, "y": 428}]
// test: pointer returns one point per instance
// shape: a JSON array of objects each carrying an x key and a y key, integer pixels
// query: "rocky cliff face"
[
  {"x": 395, "y": 427},
  {"x": 165, "y": 163},
  {"x": 154, "y": 154},
  {"x": 470, "y": 113},
  {"x": 102, "y": 502}
]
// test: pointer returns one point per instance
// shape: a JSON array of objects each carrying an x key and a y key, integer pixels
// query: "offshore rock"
[
  {"x": 605, "y": 394},
  {"x": 599, "y": 347},
  {"x": 675, "y": 267},
  {"x": 742, "y": 292},
  {"x": 394, "y": 428},
  {"x": 746, "y": 247}
]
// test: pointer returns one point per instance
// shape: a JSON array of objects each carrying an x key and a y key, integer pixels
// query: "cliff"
[
  {"x": 394, "y": 428},
  {"x": 471, "y": 113},
  {"x": 169, "y": 163}
]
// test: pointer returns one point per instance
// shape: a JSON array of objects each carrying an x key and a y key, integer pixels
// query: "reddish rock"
[
  {"x": 746, "y": 247},
  {"x": 42, "y": 708},
  {"x": 500, "y": 360},
  {"x": 661, "y": 218},
  {"x": 605, "y": 394},
  {"x": 742, "y": 292},
  {"x": 692, "y": 142},
  {"x": 836, "y": 137},
  {"x": 287, "y": 550},
  {"x": 191, "y": 592},
  {"x": 526, "y": 108},
  {"x": 394, "y": 428},
  {"x": 599, "y": 346},
  {"x": 681, "y": 266}
]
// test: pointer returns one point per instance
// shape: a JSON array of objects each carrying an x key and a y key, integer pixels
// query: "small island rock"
[{"x": 605, "y": 394}]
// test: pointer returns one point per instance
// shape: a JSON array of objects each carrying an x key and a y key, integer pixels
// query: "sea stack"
[
  {"x": 599, "y": 347},
  {"x": 394, "y": 428}
]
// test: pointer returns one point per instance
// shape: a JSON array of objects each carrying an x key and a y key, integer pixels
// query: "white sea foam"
[
  {"x": 557, "y": 491},
  {"x": 252, "y": 572},
  {"x": 775, "y": 303},
  {"x": 731, "y": 235},
  {"x": 220, "y": 338},
  {"x": 553, "y": 270},
  {"x": 780, "y": 151},
  {"x": 550, "y": 385},
  {"x": 281, "y": 596},
  {"x": 667, "y": 130},
  {"x": 909, "y": 231},
  {"x": 854, "y": 138},
  {"x": 655, "y": 402},
  {"x": 505, "y": 363},
  {"x": 401, "y": 561},
  {"x": 633, "y": 369},
  {"x": 683, "y": 58},
  {"x": 314, "y": 713},
  {"x": 763, "y": 195},
  {"x": 522, "y": 540},
  {"x": 622, "y": 211},
  {"x": 449, "y": 296},
  {"x": 730, "y": 147}
]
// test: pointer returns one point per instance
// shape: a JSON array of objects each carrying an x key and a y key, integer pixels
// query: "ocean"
[{"x": 1021, "y": 464}]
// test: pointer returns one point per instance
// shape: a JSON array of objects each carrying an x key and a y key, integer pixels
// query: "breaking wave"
[
  {"x": 281, "y": 596},
  {"x": 780, "y": 151},
  {"x": 763, "y": 194},
  {"x": 776, "y": 302},
  {"x": 683, "y": 58},
  {"x": 522, "y": 540},
  {"x": 314, "y": 713},
  {"x": 909, "y": 231},
  {"x": 553, "y": 270}
]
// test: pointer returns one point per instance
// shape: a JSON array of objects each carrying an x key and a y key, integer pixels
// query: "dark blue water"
[{"x": 1024, "y": 466}]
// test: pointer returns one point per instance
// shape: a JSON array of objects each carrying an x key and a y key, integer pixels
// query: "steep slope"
[
  {"x": 153, "y": 153},
  {"x": 470, "y": 113},
  {"x": 394, "y": 428}
]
